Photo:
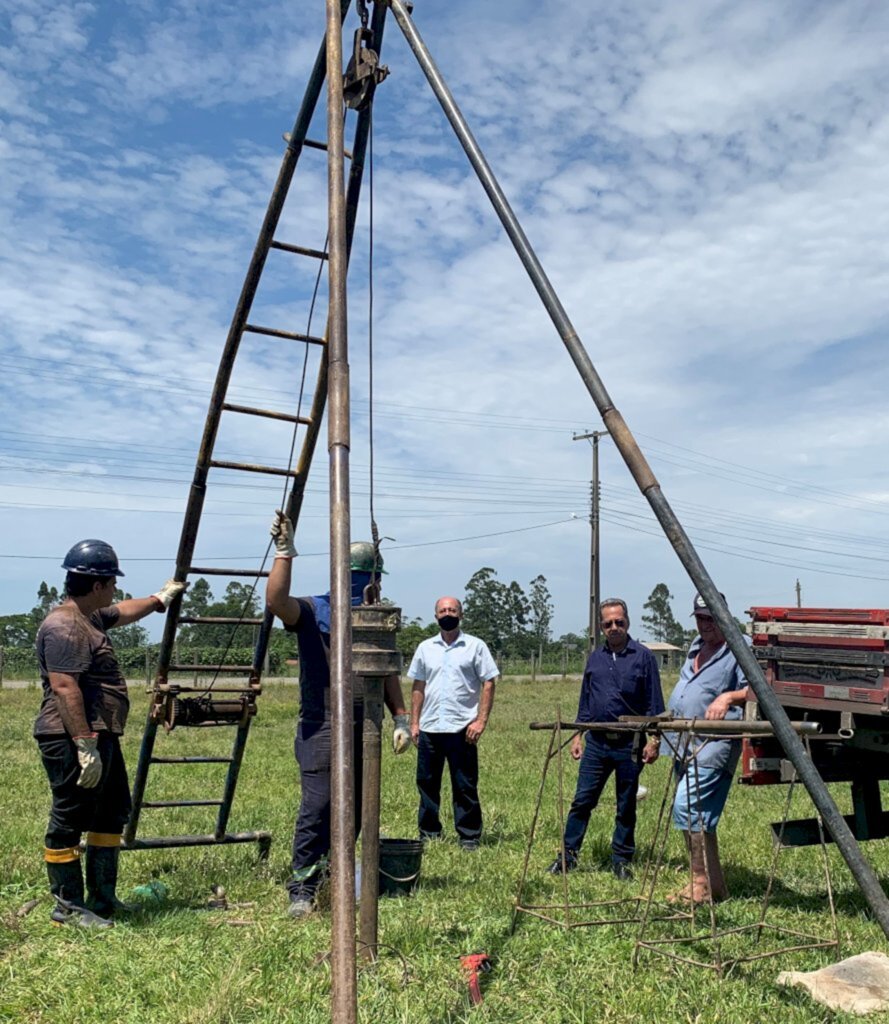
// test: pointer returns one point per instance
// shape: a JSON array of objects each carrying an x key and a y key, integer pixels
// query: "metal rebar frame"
[
  {"x": 624, "y": 910},
  {"x": 687, "y": 752},
  {"x": 647, "y": 482},
  {"x": 644, "y": 909}
]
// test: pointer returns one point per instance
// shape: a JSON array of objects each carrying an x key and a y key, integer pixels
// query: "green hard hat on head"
[{"x": 361, "y": 557}]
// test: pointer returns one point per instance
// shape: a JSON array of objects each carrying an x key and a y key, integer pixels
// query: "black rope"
[{"x": 374, "y": 530}]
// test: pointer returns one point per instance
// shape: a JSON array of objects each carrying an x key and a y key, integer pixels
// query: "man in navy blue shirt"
[{"x": 621, "y": 678}]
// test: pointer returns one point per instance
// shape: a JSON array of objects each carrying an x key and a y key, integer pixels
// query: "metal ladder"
[{"x": 173, "y": 704}]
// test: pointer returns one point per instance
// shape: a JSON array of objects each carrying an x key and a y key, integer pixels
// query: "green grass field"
[{"x": 179, "y": 962}]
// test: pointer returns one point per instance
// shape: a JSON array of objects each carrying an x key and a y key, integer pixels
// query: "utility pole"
[
  {"x": 595, "y": 596},
  {"x": 799, "y": 595}
]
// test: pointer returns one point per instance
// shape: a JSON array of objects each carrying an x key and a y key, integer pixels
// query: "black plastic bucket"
[{"x": 400, "y": 861}]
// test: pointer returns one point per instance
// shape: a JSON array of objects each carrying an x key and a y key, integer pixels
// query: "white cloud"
[{"x": 705, "y": 185}]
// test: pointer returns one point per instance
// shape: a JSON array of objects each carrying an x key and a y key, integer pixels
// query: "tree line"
[{"x": 515, "y": 622}]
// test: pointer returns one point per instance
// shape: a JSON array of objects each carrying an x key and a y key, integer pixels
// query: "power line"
[
  {"x": 318, "y": 554},
  {"x": 745, "y": 554}
]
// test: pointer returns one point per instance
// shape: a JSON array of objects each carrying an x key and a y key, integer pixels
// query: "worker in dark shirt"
[
  {"x": 78, "y": 730},
  {"x": 621, "y": 678}
]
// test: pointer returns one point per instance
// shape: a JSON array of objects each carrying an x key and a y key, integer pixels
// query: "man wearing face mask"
[
  {"x": 451, "y": 700},
  {"x": 621, "y": 678},
  {"x": 309, "y": 619}
]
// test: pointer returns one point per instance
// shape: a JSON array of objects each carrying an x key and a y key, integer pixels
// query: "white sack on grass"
[{"x": 859, "y": 984}]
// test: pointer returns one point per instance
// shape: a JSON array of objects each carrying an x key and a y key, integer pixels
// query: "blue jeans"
[
  {"x": 700, "y": 797},
  {"x": 433, "y": 750},
  {"x": 600, "y": 759}
]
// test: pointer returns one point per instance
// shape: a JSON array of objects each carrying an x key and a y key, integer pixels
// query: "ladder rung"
[
  {"x": 198, "y": 570},
  {"x": 312, "y": 144},
  {"x": 274, "y": 332},
  {"x": 192, "y": 760},
  {"x": 210, "y": 668},
  {"x": 247, "y": 467},
  {"x": 268, "y": 414},
  {"x": 299, "y": 250},
  {"x": 219, "y": 620},
  {"x": 170, "y": 842},
  {"x": 181, "y": 803}
]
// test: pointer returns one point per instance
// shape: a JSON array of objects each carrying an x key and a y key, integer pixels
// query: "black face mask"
[{"x": 448, "y": 622}]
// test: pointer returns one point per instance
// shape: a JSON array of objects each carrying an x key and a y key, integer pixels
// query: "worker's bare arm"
[{"x": 69, "y": 701}]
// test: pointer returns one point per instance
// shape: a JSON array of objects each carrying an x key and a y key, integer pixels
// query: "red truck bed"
[{"x": 835, "y": 659}]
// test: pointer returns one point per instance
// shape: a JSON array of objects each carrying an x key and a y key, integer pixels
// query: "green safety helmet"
[{"x": 361, "y": 557}]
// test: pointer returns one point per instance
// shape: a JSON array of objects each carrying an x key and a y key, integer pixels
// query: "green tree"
[
  {"x": 540, "y": 606},
  {"x": 497, "y": 612},
  {"x": 240, "y": 601},
  {"x": 483, "y": 608},
  {"x": 660, "y": 621},
  {"x": 411, "y": 634},
  {"x": 17, "y": 630},
  {"x": 47, "y": 599}
]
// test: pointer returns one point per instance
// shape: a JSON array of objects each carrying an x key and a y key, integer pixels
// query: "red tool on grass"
[{"x": 473, "y": 964}]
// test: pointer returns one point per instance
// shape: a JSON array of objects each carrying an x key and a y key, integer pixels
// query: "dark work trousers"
[
  {"x": 75, "y": 810},
  {"x": 311, "y": 840},
  {"x": 433, "y": 749},
  {"x": 601, "y": 758}
]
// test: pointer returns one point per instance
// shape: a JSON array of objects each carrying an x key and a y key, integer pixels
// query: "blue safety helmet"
[{"x": 92, "y": 558}]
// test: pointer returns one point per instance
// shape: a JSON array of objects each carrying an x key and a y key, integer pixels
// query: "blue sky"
[{"x": 704, "y": 183}]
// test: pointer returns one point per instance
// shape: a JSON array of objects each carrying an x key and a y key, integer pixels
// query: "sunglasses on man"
[{"x": 620, "y": 623}]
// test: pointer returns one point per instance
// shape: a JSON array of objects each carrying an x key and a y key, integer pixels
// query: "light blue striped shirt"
[
  {"x": 454, "y": 675},
  {"x": 695, "y": 692}
]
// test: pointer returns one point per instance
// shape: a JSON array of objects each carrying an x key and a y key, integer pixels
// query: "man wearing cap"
[
  {"x": 309, "y": 619},
  {"x": 78, "y": 729},
  {"x": 451, "y": 699},
  {"x": 712, "y": 686},
  {"x": 621, "y": 678}
]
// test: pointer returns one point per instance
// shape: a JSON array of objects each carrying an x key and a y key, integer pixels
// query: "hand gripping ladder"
[{"x": 235, "y": 706}]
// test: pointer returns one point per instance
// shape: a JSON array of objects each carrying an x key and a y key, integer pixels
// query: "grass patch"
[{"x": 177, "y": 962}]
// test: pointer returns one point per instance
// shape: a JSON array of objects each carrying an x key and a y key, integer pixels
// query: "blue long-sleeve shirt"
[{"x": 626, "y": 683}]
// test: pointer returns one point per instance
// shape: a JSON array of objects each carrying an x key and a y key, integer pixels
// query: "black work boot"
[
  {"x": 101, "y": 881},
  {"x": 66, "y": 885}
]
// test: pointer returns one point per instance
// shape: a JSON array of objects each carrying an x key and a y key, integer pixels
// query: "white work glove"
[
  {"x": 401, "y": 738},
  {"x": 282, "y": 530},
  {"x": 168, "y": 591},
  {"x": 89, "y": 760}
]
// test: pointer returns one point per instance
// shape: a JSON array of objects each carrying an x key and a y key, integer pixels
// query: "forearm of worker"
[
  {"x": 486, "y": 702},
  {"x": 418, "y": 695},
  {"x": 277, "y": 592},
  {"x": 393, "y": 696},
  {"x": 725, "y": 702},
  {"x": 69, "y": 701},
  {"x": 136, "y": 608}
]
